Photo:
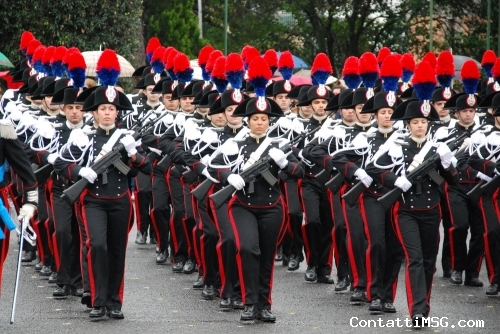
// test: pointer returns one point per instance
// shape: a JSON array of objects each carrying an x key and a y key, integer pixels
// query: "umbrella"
[
  {"x": 4, "y": 61},
  {"x": 296, "y": 80},
  {"x": 459, "y": 62},
  {"x": 307, "y": 74},
  {"x": 91, "y": 58},
  {"x": 298, "y": 63}
]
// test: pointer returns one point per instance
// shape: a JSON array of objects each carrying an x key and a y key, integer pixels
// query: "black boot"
[
  {"x": 29, "y": 256},
  {"x": 248, "y": 313}
]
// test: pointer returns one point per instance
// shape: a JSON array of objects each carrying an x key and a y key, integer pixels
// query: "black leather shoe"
[
  {"x": 38, "y": 266},
  {"x": 238, "y": 305},
  {"x": 45, "y": 271},
  {"x": 162, "y": 257},
  {"x": 28, "y": 256},
  {"x": 189, "y": 267},
  {"x": 208, "y": 292},
  {"x": 140, "y": 239},
  {"x": 446, "y": 273},
  {"x": 492, "y": 290},
  {"x": 115, "y": 314},
  {"x": 279, "y": 254},
  {"x": 310, "y": 275},
  {"x": 266, "y": 316},
  {"x": 388, "y": 308},
  {"x": 417, "y": 321},
  {"x": 248, "y": 313},
  {"x": 293, "y": 263},
  {"x": 375, "y": 306},
  {"x": 152, "y": 240},
  {"x": 325, "y": 280},
  {"x": 97, "y": 312},
  {"x": 285, "y": 261},
  {"x": 358, "y": 296},
  {"x": 342, "y": 284},
  {"x": 61, "y": 292},
  {"x": 78, "y": 292},
  {"x": 177, "y": 268},
  {"x": 53, "y": 278},
  {"x": 198, "y": 284},
  {"x": 87, "y": 299},
  {"x": 456, "y": 277},
  {"x": 473, "y": 281},
  {"x": 225, "y": 304}
]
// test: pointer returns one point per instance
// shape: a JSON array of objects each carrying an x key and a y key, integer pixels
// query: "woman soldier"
[
  {"x": 105, "y": 203},
  {"x": 416, "y": 215},
  {"x": 257, "y": 211}
]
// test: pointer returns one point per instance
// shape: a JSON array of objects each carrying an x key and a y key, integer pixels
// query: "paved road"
[{"x": 159, "y": 301}]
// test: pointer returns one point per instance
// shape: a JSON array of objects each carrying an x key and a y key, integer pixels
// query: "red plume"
[
  {"x": 76, "y": 60},
  {"x": 496, "y": 69},
  {"x": 489, "y": 57},
  {"x": 469, "y": 70},
  {"x": 204, "y": 54},
  {"x": 286, "y": 60},
  {"x": 244, "y": 51},
  {"x": 32, "y": 46},
  {"x": 423, "y": 74},
  {"x": 153, "y": 44},
  {"x": 211, "y": 60},
  {"x": 234, "y": 63},
  {"x": 170, "y": 61},
  {"x": 38, "y": 54},
  {"x": 47, "y": 56},
  {"x": 218, "y": 70},
  {"x": 321, "y": 63},
  {"x": 398, "y": 56},
  {"x": 430, "y": 57},
  {"x": 351, "y": 66},
  {"x": 408, "y": 62},
  {"x": 383, "y": 52},
  {"x": 108, "y": 60},
  {"x": 368, "y": 63},
  {"x": 26, "y": 38},
  {"x": 68, "y": 54},
  {"x": 271, "y": 57},
  {"x": 59, "y": 54},
  {"x": 181, "y": 62},
  {"x": 259, "y": 68},
  {"x": 391, "y": 67},
  {"x": 250, "y": 55},
  {"x": 445, "y": 64},
  {"x": 166, "y": 54}
]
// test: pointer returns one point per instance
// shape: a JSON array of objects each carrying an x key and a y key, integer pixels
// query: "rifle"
[
  {"x": 491, "y": 186},
  {"x": 426, "y": 168},
  {"x": 261, "y": 167}
]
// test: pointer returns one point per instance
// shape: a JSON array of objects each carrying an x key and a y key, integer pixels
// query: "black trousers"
[
  {"x": 465, "y": 214},
  {"x": 446, "y": 257},
  {"x": 178, "y": 234},
  {"x": 318, "y": 227},
  {"x": 41, "y": 229},
  {"x": 107, "y": 225},
  {"x": 193, "y": 234},
  {"x": 160, "y": 214},
  {"x": 208, "y": 243},
  {"x": 293, "y": 242},
  {"x": 67, "y": 238},
  {"x": 490, "y": 210},
  {"x": 84, "y": 268},
  {"x": 418, "y": 233},
  {"x": 339, "y": 235},
  {"x": 383, "y": 252},
  {"x": 257, "y": 231},
  {"x": 143, "y": 194},
  {"x": 356, "y": 240}
]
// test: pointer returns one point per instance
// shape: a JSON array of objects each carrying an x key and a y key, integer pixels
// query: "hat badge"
[
  {"x": 447, "y": 93},
  {"x": 471, "y": 100},
  {"x": 111, "y": 94},
  {"x": 32, "y": 72},
  {"x": 425, "y": 108},
  {"x": 70, "y": 83},
  {"x": 321, "y": 90},
  {"x": 174, "y": 84},
  {"x": 369, "y": 93},
  {"x": 404, "y": 86},
  {"x": 236, "y": 96},
  {"x": 261, "y": 104},
  {"x": 156, "y": 78},
  {"x": 496, "y": 87},
  {"x": 287, "y": 86},
  {"x": 391, "y": 98}
]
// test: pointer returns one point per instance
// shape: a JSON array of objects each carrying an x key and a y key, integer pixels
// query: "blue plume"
[
  {"x": 58, "y": 68},
  {"x": 352, "y": 80},
  {"x": 424, "y": 90},
  {"x": 390, "y": 83},
  {"x": 108, "y": 77},
  {"x": 487, "y": 69},
  {"x": 406, "y": 75},
  {"x": 220, "y": 84},
  {"x": 320, "y": 77},
  {"x": 78, "y": 77},
  {"x": 185, "y": 76},
  {"x": 286, "y": 73},
  {"x": 369, "y": 79},
  {"x": 48, "y": 69},
  {"x": 172, "y": 75},
  {"x": 235, "y": 78},
  {"x": 205, "y": 75},
  {"x": 470, "y": 85},
  {"x": 158, "y": 66},
  {"x": 445, "y": 80},
  {"x": 259, "y": 84},
  {"x": 38, "y": 66},
  {"x": 314, "y": 82}
]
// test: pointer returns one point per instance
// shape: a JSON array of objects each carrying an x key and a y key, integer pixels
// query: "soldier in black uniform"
[
  {"x": 257, "y": 231},
  {"x": 106, "y": 207}
]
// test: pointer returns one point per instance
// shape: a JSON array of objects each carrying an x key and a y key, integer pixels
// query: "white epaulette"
[{"x": 7, "y": 129}]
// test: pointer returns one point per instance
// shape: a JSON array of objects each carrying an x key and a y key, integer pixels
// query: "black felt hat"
[
  {"x": 109, "y": 95},
  {"x": 381, "y": 100},
  {"x": 230, "y": 97},
  {"x": 258, "y": 105}
]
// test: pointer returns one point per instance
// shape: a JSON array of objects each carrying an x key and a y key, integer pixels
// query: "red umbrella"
[
  {"x": 296, "y": 80},
  {"x": 10, "y": 84}
]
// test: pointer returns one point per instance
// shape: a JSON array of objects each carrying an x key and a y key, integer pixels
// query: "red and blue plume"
[
  {"x": 203, "y": 59},
  {"x": 211, "y": 61},
  {"x": 382, "y": 54},
  {"x": 69, "y": 52},
  {"x": 32, "y": 46},
  {"x": 321, "y": 69},
  {"x": 47, "y": 56},
  {"x": 470, "y": 76},
  {"x": 57, "y": 61},
  {"x": 430, "y": 57},
  {"x": 408, "y": 65},
  {"x": 218, "y": 74},
  {"x": 368, "y": 69},
  {"x": 251, "y": 54},
  {"x": 350, "y": 72},
  {"x": 36, "y": 59},
  {"x": 26, "y": 38},
  {"x": 182, "y": 68},
  {"x": 259, "y": 75},
  {"x": 286, "y": 65},
  {"x": 496, "y": 71},
  {"x": 489, "y": 58},
  {"x": 153, "y": 44},
  {"x": 390, "y": 72},
  {"x": 424, "y": 81},
  {"x": 445, "y": 69},
  {"x": 398, "y": 56},
  {"x": 235, "y": 70},
  {"x": 157, "y": 60},
  {"x": 76, "y": 69},
  {"x": 271, "y": 56},
  {"x": 170, "y": 63},
  {"x": 244, "y": 52},
  {"x": 108, "y": 68}
]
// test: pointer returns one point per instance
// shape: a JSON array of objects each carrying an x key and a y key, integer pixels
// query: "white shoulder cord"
[{"x": 50, "y": 147}]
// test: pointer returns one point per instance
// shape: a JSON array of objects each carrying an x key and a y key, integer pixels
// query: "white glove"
[
  {"x": 279, "y": 157},
  {"x": 88, "y": 173},
  {"x": 129, "y": 142},
  {"x": 454, "y": 161},
  {"x": 52, "y": 157},
  {"x": 205, "y": 160},
  {"x": 483, "y": 177},
  {"x": 363, "y": 177},
  {"x": 403, "y": 183},
  {"x": 445, "y": 154},
  {"x": 236, "y": 181},
  {"x": 27, "y": 211}
]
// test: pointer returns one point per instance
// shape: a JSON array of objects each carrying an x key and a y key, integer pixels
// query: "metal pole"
[
  {"x": 225, "y": 27},
  {"x": 200, "y": 19},
  {"x": 488, "y": 29},
  {"x": 431, "y": 15}
]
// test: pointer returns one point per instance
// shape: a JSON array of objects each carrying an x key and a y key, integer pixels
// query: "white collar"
[
  {"x": 418, "y": 140},
  {"x": 107, "y": 127},
  {"x": 72, "y": 126}
]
